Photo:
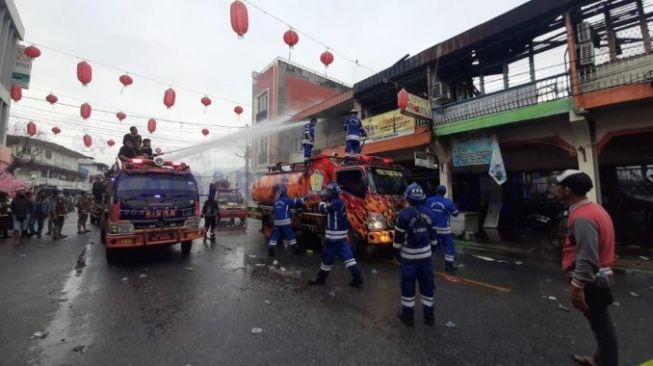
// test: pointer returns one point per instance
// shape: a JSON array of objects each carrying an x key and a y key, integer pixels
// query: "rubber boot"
[
  {"x": 357, "y": 279},
  {"x": 320, "y": 279},
  {"x": 270, "y": 251},
  {"x": 429, "y": 315},
  {"x": 449, "y": 267},
  {"x": 407, "y": 316}
]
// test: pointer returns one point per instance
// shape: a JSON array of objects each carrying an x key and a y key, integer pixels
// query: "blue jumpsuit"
[
  {"x": 282, "y": 221},
  {"x": 415, "y": 240},
  {"x": 309, "y": 139},
  {"x": 336, "y": 244},
  {"x": 443, "y": 209},
  {"x": 353, "y": 132}
]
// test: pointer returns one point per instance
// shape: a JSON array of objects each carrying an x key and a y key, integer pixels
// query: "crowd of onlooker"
[{"x": 29, "y": 213}]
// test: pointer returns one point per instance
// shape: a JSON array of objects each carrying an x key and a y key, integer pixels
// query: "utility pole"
[{"x": 247, "y": 157}]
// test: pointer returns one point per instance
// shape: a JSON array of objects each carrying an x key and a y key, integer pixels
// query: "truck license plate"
[{"x": 125, "y": 241}]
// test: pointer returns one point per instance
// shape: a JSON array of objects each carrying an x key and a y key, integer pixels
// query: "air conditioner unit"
[
  {"x": 586, "y": 54},
  {"x": 584, "y": 32},
  {"x": 440, "y": 91}
]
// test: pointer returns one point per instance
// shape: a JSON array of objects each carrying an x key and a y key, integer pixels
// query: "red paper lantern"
[
  {"x": 402, "y": 99},
  {"x": 110, "y": 142},
  {"x": 51, "y": 98},
  {"x": 206, "y": 101},
  {"x": 291, "y": 38},
  {"x": 88, "y": 141},
  {"x": 238, "y": 109},
  {"x": 31, "y": 128},
  {"x": 205, "y": 131},
  {"x": 32, "y": 52},
  {"x": 16, "y": 92},
  {"x": 169, "y": 98},
  {"x": 121, "y": 116},
  {"x": 126, "y": 81},
  {"x": 327, "y": 58},
  {"x": 239, "y": 19},
  {"x": 84, "y": 73},
  {"x": 56, "y": 130},
  {"x": 85, "y": 110},
  {"x": 151, "y": 125}
]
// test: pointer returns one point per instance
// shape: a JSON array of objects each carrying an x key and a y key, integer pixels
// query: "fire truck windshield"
[
  {"x": 387, "y": 181},
  {"x": 162, "y": 187},
  {"x": 224, "y": 197}
]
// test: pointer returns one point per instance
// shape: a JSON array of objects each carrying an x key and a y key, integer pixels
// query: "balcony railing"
[
  {"x": 624, "y": 71},
  {"x": 540, "y": 91}
]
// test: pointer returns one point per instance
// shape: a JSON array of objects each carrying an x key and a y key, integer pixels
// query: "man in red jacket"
[{"x": 587, "y": 258}]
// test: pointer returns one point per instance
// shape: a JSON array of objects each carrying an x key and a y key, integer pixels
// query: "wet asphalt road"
[{"x": 156, "y": 308}]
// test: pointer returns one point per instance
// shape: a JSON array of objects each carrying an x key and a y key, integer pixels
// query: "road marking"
[{"x": 449, "y": 278}]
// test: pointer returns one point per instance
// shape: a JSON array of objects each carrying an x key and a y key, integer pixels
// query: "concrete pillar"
[
  {"x": 584, "y": 141},
  {"x": 442, "y": 151}
]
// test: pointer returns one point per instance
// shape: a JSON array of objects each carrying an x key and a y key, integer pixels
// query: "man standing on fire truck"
[
  {"x": 283, "y": 222},
  {"x": 309, "y": 139},
  {"x": 353, "y": 132},
  {"x": 414, "y": 245},
  {"x": 443, "y": 208},
  {"x": 587, "y": 258},
  {"x": 336, "y": 238}
]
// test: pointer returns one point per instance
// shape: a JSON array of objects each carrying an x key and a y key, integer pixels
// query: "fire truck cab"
[
  {"x": 231, "y": 202},
  {"x": 372, "y": 187},
  {"x": 150, "y": 203}
]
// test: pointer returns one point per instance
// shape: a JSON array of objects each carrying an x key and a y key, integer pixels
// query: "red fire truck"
[
  {"x": 150, "y": 203},
  {"x": 373, "y": 190},
  {"x": 231, "y": 202}
]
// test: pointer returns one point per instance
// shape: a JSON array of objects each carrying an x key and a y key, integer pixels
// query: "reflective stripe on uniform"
[
  {"x": 324, "y": 267},
  {"x": 443, "y": 230},
  {"x": 307, "y": 142},
  {"x": 282, "y": 222},
  {"x": 416, "y": 256},
  {"x": 350, "y": 262},
  {"x": 448, "y": 258},
  {"x": 353, "y": 137},
  {"x": 408, "y": 302},
  {"x": 427, "y": 301},
  {"x": 396, "y": 245},
  {"x": 292, "y": 242},
  {"x": 399, "y": 229},
  {"x": 273, "y": 243},
  {"x": 336, "y": 232},
  {"x": 415, "y": 250},
  {"x": 336, "y": 237}
]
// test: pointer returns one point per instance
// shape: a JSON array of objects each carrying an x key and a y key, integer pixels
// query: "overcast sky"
[{"x": 191, "y": 44}]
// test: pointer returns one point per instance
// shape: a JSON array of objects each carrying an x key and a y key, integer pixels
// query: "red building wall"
[{"x": 301, "y": 94}]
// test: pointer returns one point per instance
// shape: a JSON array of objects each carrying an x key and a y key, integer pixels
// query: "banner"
[
  {"x": 474, "y": 149},
  {"x": 418, "y": 107},
  {"x": 497, "y": 169},
  {"x": 388, "y": 125},
  {"x": 22, "y": 69}
]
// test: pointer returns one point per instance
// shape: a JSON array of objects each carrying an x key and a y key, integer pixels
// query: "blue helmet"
[
  {"x": 441, "y": 190},
  {"x": 333, "y": 188},
  {"x": 415, "y": 193},
  {"x": 282, "y": 190}
]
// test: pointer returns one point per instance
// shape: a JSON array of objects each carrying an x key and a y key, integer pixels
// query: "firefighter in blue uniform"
[
  {"x": 353, "y": 133},
  {"x": 282, "y": 221},
  {"x": 415, "y": 241},
  {"x": 309, "y": 139},
  {"x": 336, "y": 238},
  {"x": 443, "y": 208}
]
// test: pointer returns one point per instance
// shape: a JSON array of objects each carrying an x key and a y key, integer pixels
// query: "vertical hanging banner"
[
  {"x": 497, "y": 169},
  {"x": 22, "y": 68}
]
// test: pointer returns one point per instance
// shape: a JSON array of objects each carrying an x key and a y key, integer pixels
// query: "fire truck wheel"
[
  {"x": 111, "y": 255},
  {"x": 358, "y": 246},
  {"x": 185, "y": 247}
]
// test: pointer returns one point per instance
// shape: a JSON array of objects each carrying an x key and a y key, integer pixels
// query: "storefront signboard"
[{"x": 388, "y": 125}]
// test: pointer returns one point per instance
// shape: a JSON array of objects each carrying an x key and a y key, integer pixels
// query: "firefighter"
[
  {"x": 309, "y": 139},
  {"x": 414, "y": 244},
  {"x": 210, "y": 213},
  {"x": 443, "y": 208},
  {"x": 282, "y": 221},
  {"x": 353, "y": 133},
  {"x": 336, "y": 238}
]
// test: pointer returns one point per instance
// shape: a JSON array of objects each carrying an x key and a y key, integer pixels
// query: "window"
[
  {"x": 262, "y": 106},
  {"x": 48, "y": 154},
  {"x": 388, "y": 181},
  {"x": 262, "y": 151},
  {"x": 352, "y": 182}
]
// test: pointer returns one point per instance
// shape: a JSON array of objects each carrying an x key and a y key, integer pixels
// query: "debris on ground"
[
  {"x": 634, "y": 294},
  {"x": 268, "y": 302},
  {"x": 519, "y": 263},
  {"x": 124, "y": 279},
  {"x": 251, "y": 255},
  {"x": 79, "y": 349},
  {"x": 487, "y": 259},
  {"x": 562, "y": 307},
  {"x": 374, "y": 271},
  {"x": 257, "y": 330},
  {"x": 189, "y": 268},
  {"x": 552, "y": 298},
  {"x": 332, "y": 293},
  {"x": 501, "y": 261},
  {"x": 309, "y": 252},
  {"x": 260, "y": 265},
  {"x": 142, "y": 275},
  {"x": 643, "y": 258},
  {"x": 283, "y": 269},
  {"x": 450, "y": 324},
  {"x": 39, "y": 335},
  {"x": 62, "y": 299},
  {"x": 23, "y": 255},
  {"x": 298, "y": 273},
  {"x": 616, "y": 303},
  {"x": 275, "y": 263},
  {"x": 461, "y": 265}
]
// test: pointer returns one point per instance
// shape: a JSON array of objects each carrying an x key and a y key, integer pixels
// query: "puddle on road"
[{"x": 52, "y": 350}]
